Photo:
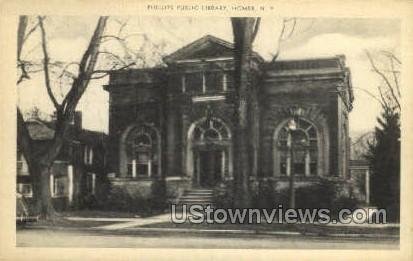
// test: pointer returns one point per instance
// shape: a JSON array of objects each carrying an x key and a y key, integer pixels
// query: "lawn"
[
  {"x": 302, "y": 228},
  {"x": 64, "y": 223}
]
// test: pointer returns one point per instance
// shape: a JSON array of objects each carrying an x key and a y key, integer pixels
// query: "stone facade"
[{"x": 175, "y": 124}]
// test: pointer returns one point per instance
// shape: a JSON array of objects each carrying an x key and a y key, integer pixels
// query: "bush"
[
  {"x": 318, "y": 195},
  {"x": 341, "y": 202},
  {"x": 266, "y": 197},
  {"x": 323, "y": 194},
  {"x": 121, "y": 200},
  {"x": 224, "y": 196}
]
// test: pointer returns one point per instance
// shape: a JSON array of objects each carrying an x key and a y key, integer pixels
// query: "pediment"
[{"x": 207, "y": 47}]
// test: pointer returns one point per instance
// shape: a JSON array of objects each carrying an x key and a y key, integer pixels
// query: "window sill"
[
  {"x": 296, "y": 178},
  {"x": 59, "y": 196},
  {"x": 210, "y": 97},
  {"x": 131, "y": 178}
]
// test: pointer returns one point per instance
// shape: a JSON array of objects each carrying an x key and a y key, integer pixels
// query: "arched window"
[
  {"x": 298, "y": 149},
  {"x": 142, "y": 152},
  {"x": 210, "y": 130}
]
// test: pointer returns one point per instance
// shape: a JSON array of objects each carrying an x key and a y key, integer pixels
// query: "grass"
[
  {"x": 99, "y": 214},
  {"x": 109, "y": 214},
  {"x": 64, "y": 223},
  {"x": 302, "y": 228}
]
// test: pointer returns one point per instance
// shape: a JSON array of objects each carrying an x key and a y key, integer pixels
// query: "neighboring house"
[
  {"x": 177, "y": 123},
  {"x": 76, "y": 173},
  {"x": 360, "y": 175}
]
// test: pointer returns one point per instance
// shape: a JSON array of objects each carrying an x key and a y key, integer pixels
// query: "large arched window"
[
  {"x": 142, "y": 152},
  {"x": 209, "y": 131},
  {"x": 298, "y": 149}
]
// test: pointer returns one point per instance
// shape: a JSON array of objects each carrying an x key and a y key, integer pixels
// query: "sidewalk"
[{"x": 128, "y": 222}]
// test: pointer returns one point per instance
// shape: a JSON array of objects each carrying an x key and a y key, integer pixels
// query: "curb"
[
  {"x": 256, "y": 232},
  {"x": 216, "y": 232}
]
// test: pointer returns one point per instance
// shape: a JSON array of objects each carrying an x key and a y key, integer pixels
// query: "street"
[{"x": 65, "y": 238}]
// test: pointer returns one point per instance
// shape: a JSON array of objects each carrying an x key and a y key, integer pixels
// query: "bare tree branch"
[
  {"x": 46, "y": 61},
  {"x": 395, "y": 74},
  {"x": 31, "y": 31},
  {"x": 279, "y": 41},
  {"x": 117, "y": 57},
  {"x": 21, "y": 31},
  {"x": 256, "y": 28},
  {"x": 31, "y": 50},
  {"x": 370, "y": 94},
  {"x": 292, "y": 28},
  {"x": 65, "y": 70},
  {"x": 86, "y": 68},
  {"x": 383, "y": 98},
  {"x": 106, "y": 72},
  {"x": 282, "y": 33},
  {"x": 24, "y": 74},
  {"x": 122, "y": 25},
  {"x": 392, "y": 56},
  {"x": 385, "y": 79}
]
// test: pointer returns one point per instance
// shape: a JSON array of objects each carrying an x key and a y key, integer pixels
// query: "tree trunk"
[
  {"x": 244, "y": 30},
  {"x": 41, "y": 189}
]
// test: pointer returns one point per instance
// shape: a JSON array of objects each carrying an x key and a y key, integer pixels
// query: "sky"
[{"x": 311, "y": 38}]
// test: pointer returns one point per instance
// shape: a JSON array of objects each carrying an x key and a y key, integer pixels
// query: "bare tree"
[
  {"x": 40, "y": 161},
  {"x": 245, "y": 30}
]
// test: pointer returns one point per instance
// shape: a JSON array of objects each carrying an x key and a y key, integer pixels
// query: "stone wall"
[{"x": 175, "y": 187}]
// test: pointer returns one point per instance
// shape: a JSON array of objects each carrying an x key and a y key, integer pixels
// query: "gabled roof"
[
  {"x": 39, "y": 131},
  {"x": 44, "y": 130},
  {"x": 206, "y": 47}
]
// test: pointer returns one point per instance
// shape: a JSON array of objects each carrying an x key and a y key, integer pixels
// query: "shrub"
[{"x": 224, "y": 196}]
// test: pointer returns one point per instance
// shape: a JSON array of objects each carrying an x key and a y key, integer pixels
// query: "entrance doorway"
[
  {"x": 209, "y": 152},
  {"x": 210, "y": 167}
]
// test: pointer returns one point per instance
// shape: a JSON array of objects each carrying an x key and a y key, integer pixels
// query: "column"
[
  {"x": 171, "y": 142},
  {"x": 183, "y": 83},
  {"x": 184, "y": 142},
  {"x": 51, "y": 185},
  {"x": 150, "y": 168},
  {"x": 307, "y": 163},
  {"x": 224, "y": 82},
  {"x": 367, "y": 186},
  {"x": 203, "y": 83},
  {"x": 223, "y": 164},
  {"x": 93, "y": 183},
  {"x": 70, "y": 183},
  {"x": 134, "y": 168},
  {"x": 288, "y": 167}
]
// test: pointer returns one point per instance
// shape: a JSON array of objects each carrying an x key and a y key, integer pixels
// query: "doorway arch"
[{"x": 209, "y": 152}]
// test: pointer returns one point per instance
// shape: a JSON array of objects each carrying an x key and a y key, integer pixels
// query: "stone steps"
[{"x": 197, "y": 196}]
